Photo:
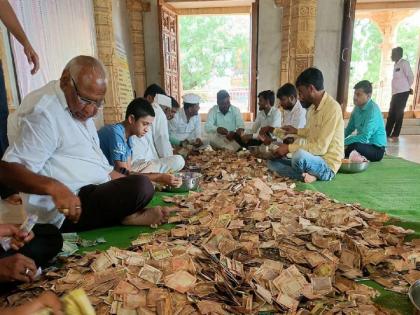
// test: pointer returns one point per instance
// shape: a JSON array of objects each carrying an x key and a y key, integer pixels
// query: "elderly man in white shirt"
[
  {"x": 56, "y": 137},
  {"x": 268, "y": 115},
  {"x": 186, "y": 125},
  {"x": 402, "y": 80}
]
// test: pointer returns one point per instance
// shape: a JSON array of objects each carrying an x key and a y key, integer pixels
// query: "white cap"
[
  {"x": 191, "y": 98},
  {"x": 163, "y": 100}
]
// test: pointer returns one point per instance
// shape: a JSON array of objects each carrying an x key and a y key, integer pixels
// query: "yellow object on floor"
[{"x": 74, "y": 303}]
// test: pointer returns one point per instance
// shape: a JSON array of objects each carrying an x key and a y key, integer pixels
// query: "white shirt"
[
  {"x": 160, "y": 134},
  {"x": 50, "y": 142},
  {"x": 402, "y": 77},
  {"x": 155, "y": 144},
  {"x": 272, "y": 119},
  {"x": 295, "y": 117},
  {"x": 143, "y": 148},
  {"x": 182, "y": 129}
]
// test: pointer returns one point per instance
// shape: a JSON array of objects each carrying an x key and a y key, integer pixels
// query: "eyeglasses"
[{"x": 86, "y": 101}]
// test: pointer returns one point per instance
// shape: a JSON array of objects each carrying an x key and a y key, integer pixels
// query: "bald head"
[
  {"x": 84, "y": 85},
  {"x": 87, "y": 71}
]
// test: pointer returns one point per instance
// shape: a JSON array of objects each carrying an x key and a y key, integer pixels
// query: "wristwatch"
[{"x": 124, "y": 171}]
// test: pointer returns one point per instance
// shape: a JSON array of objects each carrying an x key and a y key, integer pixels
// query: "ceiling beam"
[
  {"x": 387, "y": 5},
  {"x": 215, "y": 10}
]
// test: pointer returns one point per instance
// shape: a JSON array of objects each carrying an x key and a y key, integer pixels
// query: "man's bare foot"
[
  {"x": 308, "y": 178},
  {"x": 14, "y": 200},
  {"x": 167, "y": 211},
  {"x": 148, "y": 216}
]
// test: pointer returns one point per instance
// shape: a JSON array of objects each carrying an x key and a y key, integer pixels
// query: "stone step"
[
  {"x": 410, "y": 122},
  {"x": 410, "y": 130}
]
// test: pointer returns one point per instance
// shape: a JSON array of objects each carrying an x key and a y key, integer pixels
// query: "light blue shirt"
[
  {"x": 367, "y": 120},
  {"x": 231, "y": 121},
  {"x": 114, "y": 144}
]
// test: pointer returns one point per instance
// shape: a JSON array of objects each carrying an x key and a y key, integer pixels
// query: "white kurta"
[
  {"x": 272, "y": 119},
  {"x": 50, "y": 142},
  {"x": 182, "y": 129},
  {"x": 145, "y": 158},
  {"x": 295, "y": 117},
  {"x": 160, "y": 133}
]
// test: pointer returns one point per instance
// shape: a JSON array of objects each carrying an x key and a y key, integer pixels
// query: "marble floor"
[{"x": 408, "y": 147}]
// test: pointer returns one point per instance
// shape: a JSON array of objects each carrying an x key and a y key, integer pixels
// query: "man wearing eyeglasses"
[{"x": 55, "y": 136}]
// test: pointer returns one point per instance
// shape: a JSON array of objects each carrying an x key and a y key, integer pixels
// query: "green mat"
[
  {"x": 121, "y": 236},
  {"x": 391, "y": 186}
]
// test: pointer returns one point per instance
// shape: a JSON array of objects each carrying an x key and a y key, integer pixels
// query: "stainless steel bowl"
[
  {"x": 414, "y": 295},
  {"x": 190, "y": 181},
  {"x": 350, "y": 168}
]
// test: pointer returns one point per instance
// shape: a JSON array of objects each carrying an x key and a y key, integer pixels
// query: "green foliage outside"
[
  {"x": 366, "y": 54},
  {"x": 408, "y": 38},
  {"x": 214, "y": 46},
  {"x": 366, "y": 51}
]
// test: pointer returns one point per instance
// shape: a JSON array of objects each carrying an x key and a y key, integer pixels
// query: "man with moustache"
[
  {"x": 319, "y": 156},
  {"x": 55, "y": 136}
]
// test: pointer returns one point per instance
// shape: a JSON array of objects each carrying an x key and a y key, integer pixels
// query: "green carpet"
[
  {"x": 121, "y": 236},
  {"x": 391, "y": 186}
]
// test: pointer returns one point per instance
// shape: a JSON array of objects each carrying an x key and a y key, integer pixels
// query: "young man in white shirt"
[
  {"x": 153, "y": 153},
  {"x": 186, "y": 124},
  {"x": 56, "y": 136},
  {"x": 402, "y": 79},
  {"x": 267, "y": 116},
  {"x": 293, "y": 112}
]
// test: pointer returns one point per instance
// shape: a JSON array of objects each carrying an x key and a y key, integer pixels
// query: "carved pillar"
[
  {"x": 285, "y": 40},
  {"x": 135, "y": 16},
  {"x": 298, "y": 37},
  {"x": 119, "y": 92}
]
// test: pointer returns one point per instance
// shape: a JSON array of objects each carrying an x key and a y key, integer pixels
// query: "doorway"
[
  {"x": 370, "y": 30},
  {"x": 376, "y": 32},
  {"x": 206, "y": 48},
  {"x": 215, "y": 55}
]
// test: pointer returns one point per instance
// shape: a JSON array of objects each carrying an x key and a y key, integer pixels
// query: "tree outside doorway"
[
  {"x": 214, "y": 55},
  {"x": 370, "y": 60}
]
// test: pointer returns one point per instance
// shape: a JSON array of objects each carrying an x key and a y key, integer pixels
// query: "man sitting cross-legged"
[
  {"x": 367, "y": 120},
  {"x": 116, "y": 140},
  {"x": 56, "y": 136},
  {"x": 185, "y": 127},
  {"x": 268, "y": 116},
  {"x": 319, "y": 157},
  {"x": 224, "y": 124}
]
